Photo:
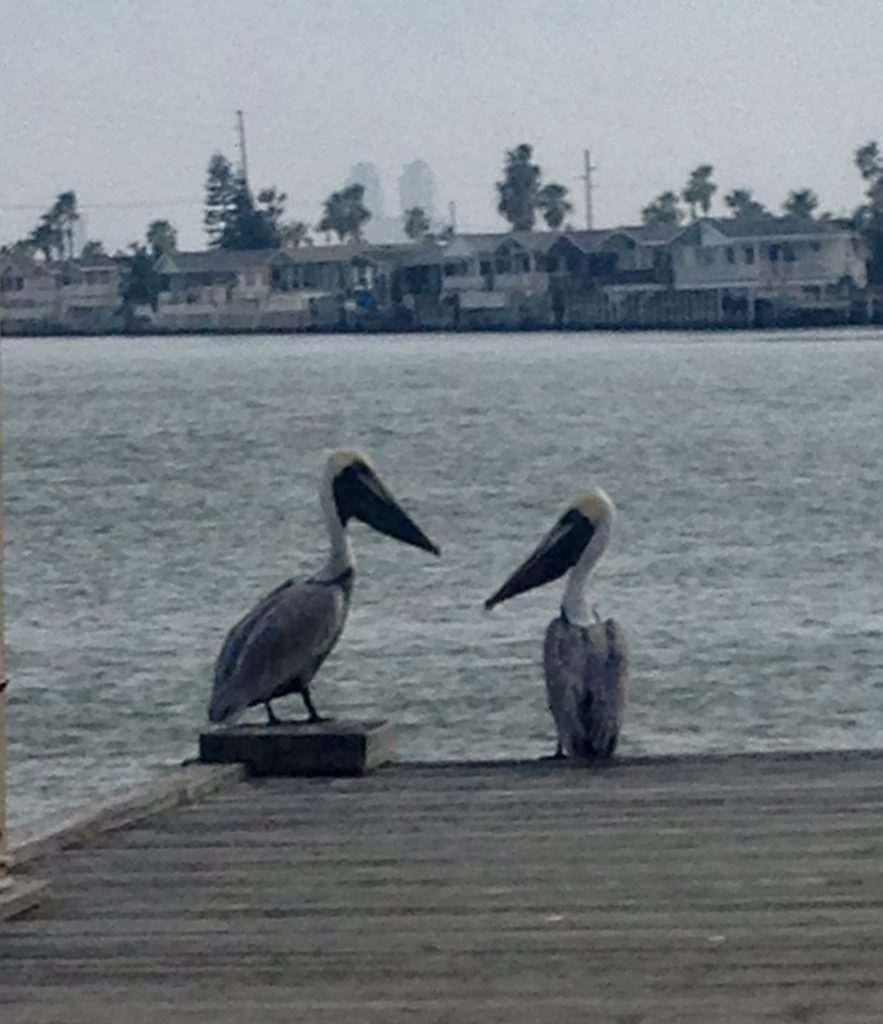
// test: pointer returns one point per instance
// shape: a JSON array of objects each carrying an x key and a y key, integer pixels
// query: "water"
[{"x": 154, "y": 488}]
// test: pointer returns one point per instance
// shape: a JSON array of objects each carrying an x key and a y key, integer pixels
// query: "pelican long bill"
[
  {"x": 557, "y": 552},
  {"x": 359, "y": 493}
]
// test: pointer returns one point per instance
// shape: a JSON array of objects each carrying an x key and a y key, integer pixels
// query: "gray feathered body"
[
  {"x": 278, "y": 647},
  {"x": 586, "y": 675}
]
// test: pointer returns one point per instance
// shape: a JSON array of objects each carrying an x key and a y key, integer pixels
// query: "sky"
[{"x": 125, "y": 101}]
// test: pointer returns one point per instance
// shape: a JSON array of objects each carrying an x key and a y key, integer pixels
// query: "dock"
[{"x": 678, "y": 889}]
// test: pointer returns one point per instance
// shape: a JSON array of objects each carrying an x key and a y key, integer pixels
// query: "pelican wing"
[
  {"x": 586, "y": 675},
  {"x": 281, "y": 641}
]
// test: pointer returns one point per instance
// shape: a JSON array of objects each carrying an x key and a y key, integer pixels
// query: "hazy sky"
[{"x": 125, "y": 101}]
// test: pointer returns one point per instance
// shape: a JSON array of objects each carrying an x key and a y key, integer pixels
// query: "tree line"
[
  {"x": 236, "y": 218},
  {"x": 696, "y": 196}
]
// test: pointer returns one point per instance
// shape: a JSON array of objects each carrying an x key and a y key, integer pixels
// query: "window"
[
  {"x": 788, "y": 253},
  {"x": 815, "y": 245},
  {"x": 748, "y": 252},
  {"x": 11, "y": 284},
  {"x": 774, "y": 252},
  {"x": 485, "y": 268},
  {"x": 731, "y": 254}
]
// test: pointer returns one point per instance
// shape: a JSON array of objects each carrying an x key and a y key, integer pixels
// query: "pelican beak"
[
  {"x": 557, "y": 552},
  {"x": 359, "y": 493}
]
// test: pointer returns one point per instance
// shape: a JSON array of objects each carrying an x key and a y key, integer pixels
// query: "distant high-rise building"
[
  {"x": 366, "y": 174},
  {"x": 417, "y": 187},
  {"x": 381, "y": 228}
]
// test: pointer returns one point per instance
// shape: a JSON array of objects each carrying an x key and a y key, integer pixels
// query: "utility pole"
[
  {"x": 243, "y": 157},
  {"x": 452, "y": 216},
  {"x": 587, "y": 178}
]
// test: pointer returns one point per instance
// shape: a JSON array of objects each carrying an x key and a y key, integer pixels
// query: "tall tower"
[{"x": 417, "y": 187}]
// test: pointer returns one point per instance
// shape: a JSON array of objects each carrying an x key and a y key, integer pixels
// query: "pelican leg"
[
  {"x": 272, "y": 718},
  {"x": 311, "y": 707}
]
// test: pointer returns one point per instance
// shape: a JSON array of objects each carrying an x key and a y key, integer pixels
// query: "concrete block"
[{"x": 294, "y": 748}]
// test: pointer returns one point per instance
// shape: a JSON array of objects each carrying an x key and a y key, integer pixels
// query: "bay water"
[{"x": 156, "y": 487}]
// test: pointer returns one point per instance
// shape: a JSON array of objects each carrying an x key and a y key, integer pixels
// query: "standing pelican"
[
  {"x": 278, "y": 647},
  {"x": 585, "y": 659}
]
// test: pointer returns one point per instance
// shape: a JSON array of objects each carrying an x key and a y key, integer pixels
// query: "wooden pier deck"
[{"x": 676, "y": 890}]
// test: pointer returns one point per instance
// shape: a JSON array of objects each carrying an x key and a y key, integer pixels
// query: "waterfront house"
[
  {"x": 477, "y": 280},
  {"x": 92, "y": 295},
  {"x": 272, "y": 289},
  {"x": 612, "y": 277},
  {"x": 772, "y": 269},
  {"x": 30, "y": 295}
]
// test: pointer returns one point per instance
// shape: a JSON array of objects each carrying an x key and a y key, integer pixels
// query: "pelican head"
[
  {"x": 357, "y": 492},
  {"x": 579, "y": 536}
]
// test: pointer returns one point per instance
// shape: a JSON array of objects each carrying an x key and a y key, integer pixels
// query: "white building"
[
  {"x": 91, "y": 294},
  {"x": 30, "y": 295},
  {"x": 270, "y": 288},
  {"x": 787, "y": 262}
]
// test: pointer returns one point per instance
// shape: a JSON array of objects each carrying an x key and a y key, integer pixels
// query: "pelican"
[
  {"x": 278, "y": 647},
  {"x": 585, "y": 659}
]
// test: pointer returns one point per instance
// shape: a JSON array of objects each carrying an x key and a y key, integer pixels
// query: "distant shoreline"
[{"x": 383, "y": 331}]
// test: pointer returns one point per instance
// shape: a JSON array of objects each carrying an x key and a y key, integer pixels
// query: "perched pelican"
[
  {"x": 278, "y": 647},
  {"x": 585, "y": 659}
]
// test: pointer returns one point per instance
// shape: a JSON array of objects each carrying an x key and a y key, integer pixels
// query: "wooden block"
[
  {"x": 17, "y": 896},
  {"x": 294, "y": 748}
]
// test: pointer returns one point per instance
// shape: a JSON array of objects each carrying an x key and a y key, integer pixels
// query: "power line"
[{"x": 111, "y": 205}]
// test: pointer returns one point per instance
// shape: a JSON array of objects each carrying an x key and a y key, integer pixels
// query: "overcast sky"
[{"x": 125, "y": 101}]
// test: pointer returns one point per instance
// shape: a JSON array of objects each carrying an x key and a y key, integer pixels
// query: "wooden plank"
[
  {"x": 18, "y": 896},
  {"x": 177, "y": 788},
  {"x": 301, "y": 748},
  {"x": 746, "y": 889}
]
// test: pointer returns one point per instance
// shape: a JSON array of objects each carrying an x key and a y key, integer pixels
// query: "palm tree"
[
  {"x": 743, "y": 204},
  {"x": 46, "y": 238},
  {"x": 65, "y": 213},
  {"x": 92, "y": 249},
  {"x": 663, "y": 209},
  {"x": 868, "y": 161},
  {"x": 519, "y": 188},
  {"x": 294, "y": 234},
  {"x": 552, "y": 200},
  {"x": 416, "y": 223},
  {"x": 801, "y": 203},
  {"x": 345, "y": 213},
  {"x": 162, "y": 237},
  {"x": 699, "y": 190}
]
